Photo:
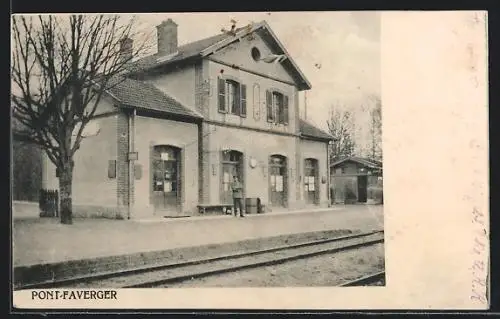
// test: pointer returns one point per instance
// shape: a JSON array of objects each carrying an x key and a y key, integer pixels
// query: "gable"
[
  {"x": 216, "y": 45},
  {"x": 239, "y": 53},
  {"x": 358, "y": 162}
]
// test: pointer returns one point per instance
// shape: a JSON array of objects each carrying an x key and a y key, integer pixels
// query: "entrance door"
[
  {"x": 166, "y": 166},
  {"x": 362, "y": 188},
  {"x": 231, "y": 166},
  {"x": 311, "y": 181},
  {"x": 277, "y": 181}
]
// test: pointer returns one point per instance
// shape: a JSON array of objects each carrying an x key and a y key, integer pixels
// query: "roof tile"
[
  {"x": 145, "y": 95},
  {"x": 307, "y": 129}
]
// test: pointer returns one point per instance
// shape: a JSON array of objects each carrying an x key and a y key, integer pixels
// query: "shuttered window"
[
  {"x": 243, "y": 103},
  {"x": 232, "y": 97},
  {"x": 277, "y": 107},
  {"x": 222, "y": 95},
  {"x": 269, "y": 105}
]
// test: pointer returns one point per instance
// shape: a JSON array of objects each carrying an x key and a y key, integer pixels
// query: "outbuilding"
[{"x": 356, "y": 180}]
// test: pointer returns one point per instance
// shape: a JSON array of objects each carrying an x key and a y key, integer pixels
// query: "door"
[
  {"x": 231, "y": 166},
  {"x": 311, "y": 181},
  {"x": 166, "y": 166},
  {"x": 362, "y": 188},
  {"x": 278, "y": 181}
]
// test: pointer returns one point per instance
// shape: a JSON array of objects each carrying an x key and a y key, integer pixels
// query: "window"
[
  {"x": 164, "y": 167},
  {"x": 255, "y": 54},
  {"x": 232, "y": 97},
  {"x": 231, "y": 156},
  {"x": 277, "y": 107}
]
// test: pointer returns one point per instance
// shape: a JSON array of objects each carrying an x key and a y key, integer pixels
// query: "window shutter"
[
  {"x": 112, "y": 169},
  {"x": 222, "y": 95},
  {"x": 285, "y": 109},
  {"x": 237, "y": 99},
  {"x": 243, "y": 104},
  {"x": 269, "y": 104}
]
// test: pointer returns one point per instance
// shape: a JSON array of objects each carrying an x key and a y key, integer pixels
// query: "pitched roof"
[
  {"x": 309, "y": 130},
  {"x": 207, "y": 46},
  {"x": 144, "y": 95},
  {"x": 361, "y": 160},
  {"x": 188, "y": 50}
]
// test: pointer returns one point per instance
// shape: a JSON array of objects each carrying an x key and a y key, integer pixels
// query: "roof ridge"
[{"x": 206, "y": 46}]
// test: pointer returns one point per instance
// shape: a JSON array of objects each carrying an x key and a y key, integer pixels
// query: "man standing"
[{"x": 237, "y": 189}]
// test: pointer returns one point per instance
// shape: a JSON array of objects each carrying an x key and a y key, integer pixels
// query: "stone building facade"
[{"x": 187, "y": 119}]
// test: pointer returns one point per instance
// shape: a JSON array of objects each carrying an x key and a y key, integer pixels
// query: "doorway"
[
  {"x": 278, "y": 184},
  {"x": 362, "y": 188},
  {"x": 231, "y": 166},
  {"x": 311, "y": 184},
  {"x": 166, "y": 167}
]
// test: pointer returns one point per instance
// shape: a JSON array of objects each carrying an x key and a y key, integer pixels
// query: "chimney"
[
  {"x": 167, "y": 37},
  {"x": 126, "y": 48}
]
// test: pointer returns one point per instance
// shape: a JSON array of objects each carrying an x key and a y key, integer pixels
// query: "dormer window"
[
  {"x": 277, "y": 107},
  {"x": 232, "y": 97}
]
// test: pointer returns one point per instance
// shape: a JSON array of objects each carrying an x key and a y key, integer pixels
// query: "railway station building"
[{"x": 188, "y": 118}]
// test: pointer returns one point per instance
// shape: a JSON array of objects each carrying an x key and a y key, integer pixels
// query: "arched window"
[
  {"x": 231, "y": 165},
  {"x": 311, "y": 181},
  {"x": 278, "y": 180}
]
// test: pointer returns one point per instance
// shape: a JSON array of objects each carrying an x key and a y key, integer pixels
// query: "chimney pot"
[{"x": 167, "y": 37}]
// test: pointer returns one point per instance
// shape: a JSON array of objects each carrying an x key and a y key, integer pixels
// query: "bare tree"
[
  {"x": 341, "y": 127},
  {"x": 376, "y": 129},
  {"x": 61, "y": 67}
]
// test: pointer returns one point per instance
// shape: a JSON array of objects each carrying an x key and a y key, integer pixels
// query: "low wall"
[{"x": 25, "y": 210}]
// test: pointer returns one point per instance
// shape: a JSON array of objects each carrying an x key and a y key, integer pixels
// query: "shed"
[{"x": 356, "y": 180}]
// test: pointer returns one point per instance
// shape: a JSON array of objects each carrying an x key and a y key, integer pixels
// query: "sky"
[{"x": 345, "y": 44}]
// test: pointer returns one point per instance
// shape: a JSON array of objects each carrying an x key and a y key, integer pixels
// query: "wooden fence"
[{"x": 49, "y": 203}]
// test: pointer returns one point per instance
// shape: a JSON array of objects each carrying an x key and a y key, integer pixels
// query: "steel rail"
[
  {"x": 366, "y": 280},
  {"x": 139, "y": 270}
]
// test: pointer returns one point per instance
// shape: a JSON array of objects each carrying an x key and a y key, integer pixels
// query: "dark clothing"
[
  {"x": 237, "y": 189},
  {"x": 238, "y": 206}
]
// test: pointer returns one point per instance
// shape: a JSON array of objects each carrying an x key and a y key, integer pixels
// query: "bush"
[{"x": 376, "y": 194}]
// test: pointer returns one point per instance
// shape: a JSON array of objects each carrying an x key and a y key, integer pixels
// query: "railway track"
[
  {"x": 168, "y": 274},
  {"x": 368, "y": 280}
]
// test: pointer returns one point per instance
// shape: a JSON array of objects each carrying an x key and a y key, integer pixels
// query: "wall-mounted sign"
[
  {"x": 133, "y": 156},
  {"x": 279, "y": 183},
  {"x": 253, "y": 162},
  {"x": 167, "y": 187},
  {"x": 165, "y": 156},
  {"x": 137, "y": 171},
  {"x": 112, "y": 169}
]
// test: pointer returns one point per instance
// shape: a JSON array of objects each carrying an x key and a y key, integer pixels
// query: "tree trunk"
[{"x": 65, "y": 189}]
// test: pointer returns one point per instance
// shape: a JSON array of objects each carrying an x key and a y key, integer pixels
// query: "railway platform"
[
  {"x": 43, "y": 241},
  {"x": 37, "y": 241},
  {"x": 43, "y": 244}
]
